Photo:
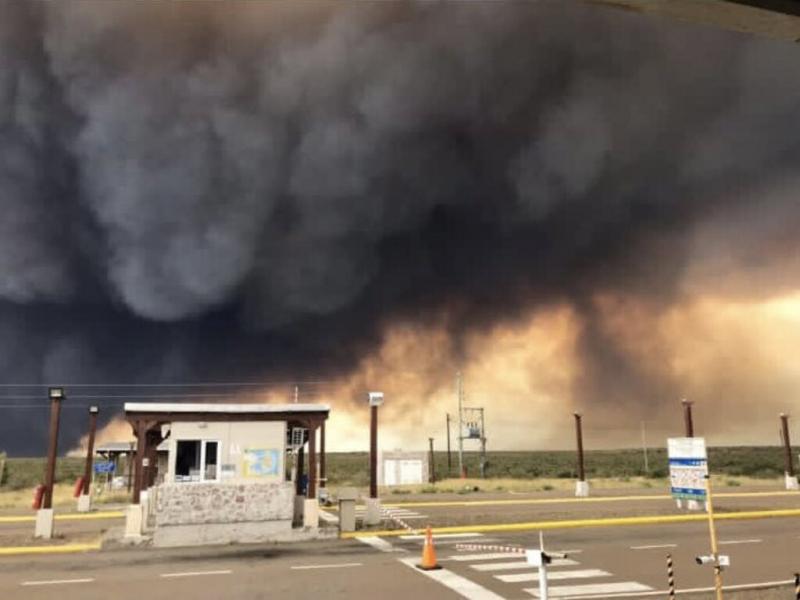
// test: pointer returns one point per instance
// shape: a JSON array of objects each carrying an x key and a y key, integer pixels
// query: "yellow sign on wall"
[{"x": 261, "y": 462}]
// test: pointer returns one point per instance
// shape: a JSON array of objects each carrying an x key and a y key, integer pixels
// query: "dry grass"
[{"x": 62, "y": 497}]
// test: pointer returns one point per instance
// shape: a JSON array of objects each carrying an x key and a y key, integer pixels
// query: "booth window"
[{"x": 196, "y": 460}]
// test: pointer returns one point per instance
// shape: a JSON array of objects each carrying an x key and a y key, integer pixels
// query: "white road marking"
[
  {"x": 553, "y": 575},
  {"x": 58, "y": 581},
  {"x": 453, "y": 542},
  {"x": 488, "y": 556},
  {"x": 464, "y": 587},
  {"x": 742, "y": 586},
  {"x": 442, "y": 536},
  {"x": 379, "y": 544},
  {"x": 654, "y": 546},
  {"x": 592, "y": 589},
  {"x": 566, "y": 551},
  {"x": 521, "y": 564},
  {"x": 728, "y": 542},
  {"x": 196, "y": 573},
  {"x": 328, "y": 566}
]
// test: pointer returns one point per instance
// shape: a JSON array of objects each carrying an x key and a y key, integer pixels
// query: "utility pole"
[
  {"x": 449, "y": 461},
  {"x": 790, "y": 478},
  {"x": 687, "y": 417},
  {"x": 431, "y": 468},
  {"x": 644, "y": 450},
  {"x": 460, "y": 430},
  {"x": 582, "y": 486},
  {"x": 84, "y": 501}
]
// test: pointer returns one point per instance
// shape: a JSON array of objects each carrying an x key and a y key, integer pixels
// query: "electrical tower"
[{"x": 471, "y": 426}]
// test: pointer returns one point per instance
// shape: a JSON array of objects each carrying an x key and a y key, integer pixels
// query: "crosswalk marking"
[
  {"x": 521, "y": 564},
  {"x": 554, "y": 575},
  {"x": 488, "y": 556},
  {"x": 563, "y": 591}
]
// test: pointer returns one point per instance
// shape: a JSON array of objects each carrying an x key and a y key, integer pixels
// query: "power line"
[{"x": 172, "y": 384}]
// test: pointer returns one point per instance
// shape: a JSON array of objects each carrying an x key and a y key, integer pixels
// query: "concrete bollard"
[
  {"x": 44, "y": 523},
  {"x": 84, "y": 503},
  {"x": 372, "y": 514},
  {"x": 582, "y": 489},
  {"x": 347, "y": 509}
]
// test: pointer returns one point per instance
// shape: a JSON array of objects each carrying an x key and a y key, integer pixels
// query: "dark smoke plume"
[{"x": 200, "y": 191}]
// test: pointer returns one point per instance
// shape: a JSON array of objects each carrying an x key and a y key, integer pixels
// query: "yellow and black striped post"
[
  {"x": 670, "y": 577},
  {"x": 797, "y": 586}
]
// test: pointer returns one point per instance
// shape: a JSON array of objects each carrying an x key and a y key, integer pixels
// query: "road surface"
[{"x": 612, "y": 562}]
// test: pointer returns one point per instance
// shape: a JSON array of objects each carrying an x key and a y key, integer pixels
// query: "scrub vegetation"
[{"x": 540, "y": 471}]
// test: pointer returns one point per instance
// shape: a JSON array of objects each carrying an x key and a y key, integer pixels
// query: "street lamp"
[{"x": 372, "y": 517}]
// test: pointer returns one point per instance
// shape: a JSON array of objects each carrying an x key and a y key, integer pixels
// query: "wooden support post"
[
  {"x": 299, "y": 481},
  {"x": 311, "y": 490},
  {"x": 87, "y": 468},
  {"x": 322, "y": 474},
  {"x": 129, "y": 465},
  {"x": 139, "y": 461}
]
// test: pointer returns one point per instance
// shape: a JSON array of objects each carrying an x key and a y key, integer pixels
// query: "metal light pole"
[
  {"x": 790, "y": 478},
  {"x": 582, "y": 486},
  {"x": 56, "y": 396},
  {"x": 373, "y": 508},
  {"x": 44, "y": 517},
  {"x": 84, "y": 501},
  {"x": 687, "y": 417},
  {"x": 644, "y": 450},
  {"x": 460, "y": 430}
]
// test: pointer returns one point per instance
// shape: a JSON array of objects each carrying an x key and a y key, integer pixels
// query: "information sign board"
[{"x": 688, "y": 468}]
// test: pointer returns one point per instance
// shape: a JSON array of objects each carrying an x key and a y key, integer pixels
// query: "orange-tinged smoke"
[{"x": 733, "y": 358}]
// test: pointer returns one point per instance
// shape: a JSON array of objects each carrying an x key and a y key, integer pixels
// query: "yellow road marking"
[
  {"x": 574, "y": 523},
  {"x": 111, "y": 514},
  {"x": 64, "y": 549},
  {"x": 522, "y": 501}
]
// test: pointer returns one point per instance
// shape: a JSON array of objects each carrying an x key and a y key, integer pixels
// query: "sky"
[{"x": 577, "y": 208}]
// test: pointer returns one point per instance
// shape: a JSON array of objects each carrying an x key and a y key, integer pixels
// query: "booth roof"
[{"x": 180, "y": 407}]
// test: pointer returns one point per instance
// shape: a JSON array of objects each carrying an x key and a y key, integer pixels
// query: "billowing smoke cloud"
[{"x": 199, "y": 191}]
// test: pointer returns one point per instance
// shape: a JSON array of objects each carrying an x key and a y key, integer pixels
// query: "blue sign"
[
  {"x": 104, "y": 467},
  {"x": 688, "y": 468}
]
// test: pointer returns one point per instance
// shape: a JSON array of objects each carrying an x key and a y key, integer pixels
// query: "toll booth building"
[{"x": 229, "y": 475}]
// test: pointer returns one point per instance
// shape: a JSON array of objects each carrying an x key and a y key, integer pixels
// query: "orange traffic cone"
[{"x": 428, "y": 553}]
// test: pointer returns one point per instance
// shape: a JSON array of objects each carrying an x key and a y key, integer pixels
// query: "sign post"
[{"x": 689, "y": 480}]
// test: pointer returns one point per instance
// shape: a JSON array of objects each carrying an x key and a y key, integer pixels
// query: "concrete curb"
[{"x": 576, "y": 523}]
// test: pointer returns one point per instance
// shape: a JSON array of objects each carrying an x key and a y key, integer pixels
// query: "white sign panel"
[{"x": 688, "y": 468}]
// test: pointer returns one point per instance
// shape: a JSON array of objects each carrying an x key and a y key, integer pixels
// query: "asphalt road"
[
  {"x": 608, "y": 562},
  {"x": 603, "y": 562}
]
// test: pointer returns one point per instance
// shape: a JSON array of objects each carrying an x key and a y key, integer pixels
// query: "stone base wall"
[
  {"x": 221, "y": 533},
  {"x": 222, "y": 503}
]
